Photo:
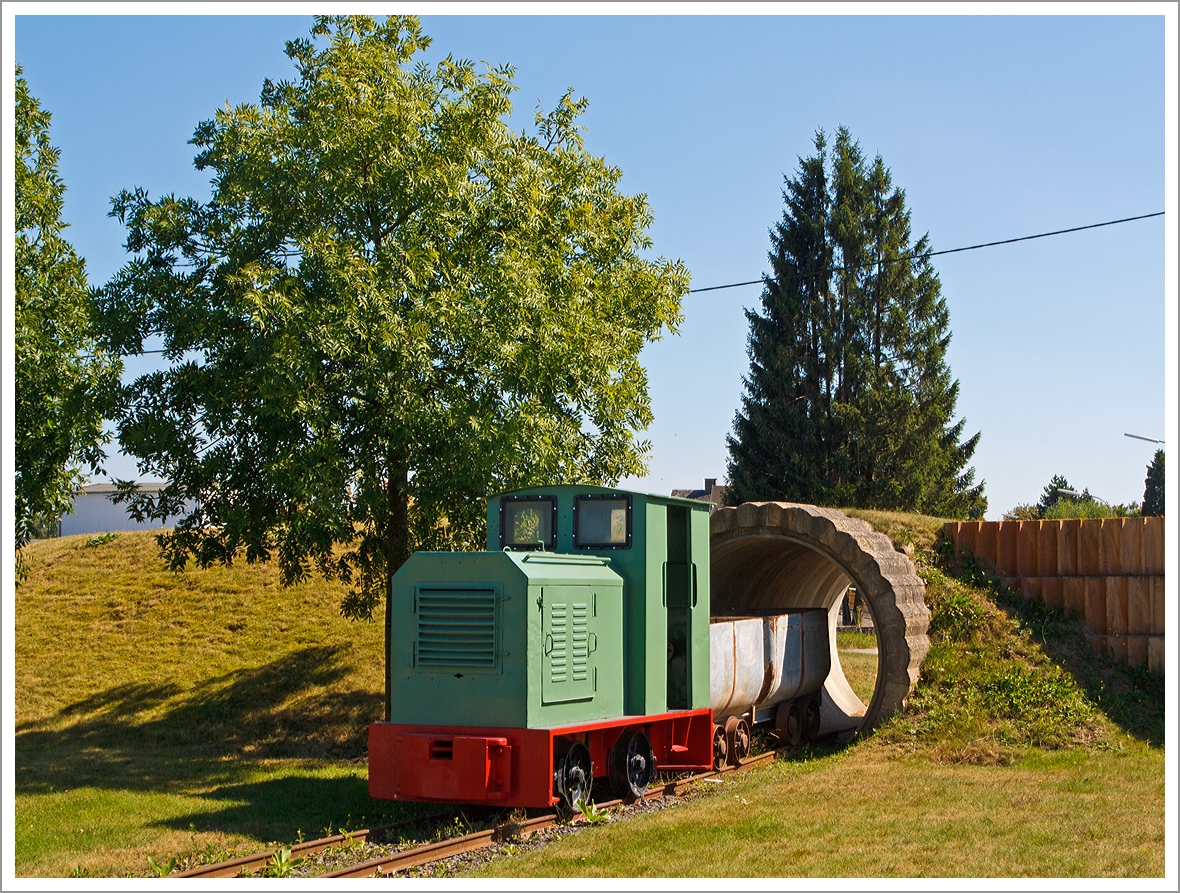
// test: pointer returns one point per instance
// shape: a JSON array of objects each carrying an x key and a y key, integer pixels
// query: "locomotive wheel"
[
  {"x": 741, "y": 741},
  {"x": 574, "y": 774},
  {"x": 720, "y": 748},
  {"x": 811, "y": 720},
  {"x": 788, "y": 722},
  {"x": 632, "y": 764}
]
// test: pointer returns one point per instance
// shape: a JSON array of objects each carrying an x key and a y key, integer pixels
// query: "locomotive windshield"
[
  {"x": 528, "y": 522},
  {"x": 602, "y": 522}
]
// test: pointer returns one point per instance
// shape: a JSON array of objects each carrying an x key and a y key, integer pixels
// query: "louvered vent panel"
[
  {"x": 558, "y": 629},
  {"x": 580, "y": 651},
  {"x": 457, "y": 628}
]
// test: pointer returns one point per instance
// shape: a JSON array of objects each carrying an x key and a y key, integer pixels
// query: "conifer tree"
[
  {"x": 1153, "y": 486},
  {"x": 849, "y": 399}
]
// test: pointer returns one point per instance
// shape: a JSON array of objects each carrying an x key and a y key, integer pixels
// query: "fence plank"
[
  {"x": 1026, "y": 548},
  {"x": 1155, "y": 654},
  {"x": 1051, "y": 592},
  {"x": 1096, "y": 604},
  {"x": 1116, "y": 608},
  {"x": 1074, "y": 594},
  {"x": 1090, "y": 547},
  {"x": 1137, "y": 650},
  {"x": 1112, "y": 546},
  {"x": 985, "y": 543},
  {"x": 1157, "y": 606},
  {"x": 1132, "y": 546},
  {"x": 1006, "y": 546},
  {"x": 1067, "y": 548},
  {"x": 1047, "y": 536},
  {"x": 1139, "y": 606},
  {"x": 1153, "y": 546}
]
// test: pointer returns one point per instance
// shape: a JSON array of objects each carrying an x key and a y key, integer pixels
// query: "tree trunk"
[{"x": 397, "y": 550}]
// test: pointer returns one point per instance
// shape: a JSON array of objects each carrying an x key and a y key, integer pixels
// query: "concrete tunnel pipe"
[{"x": 775, "y": 556}]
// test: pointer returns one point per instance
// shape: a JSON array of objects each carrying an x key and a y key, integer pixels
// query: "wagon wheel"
[
  {"x": 812, "y": 719},
  {"x": 573, "y": 774},
  {"x": 788, "y": 722},
  {"x": 720, "y": 748},
  {"x": 632, "y": 764},
  {"x": 741, "y": 741}
]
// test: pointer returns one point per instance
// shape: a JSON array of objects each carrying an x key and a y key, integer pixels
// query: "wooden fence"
[{"x": 1108, "y": 570}]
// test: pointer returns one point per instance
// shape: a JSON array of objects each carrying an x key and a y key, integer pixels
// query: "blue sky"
[{"x": 995, "y": 126}]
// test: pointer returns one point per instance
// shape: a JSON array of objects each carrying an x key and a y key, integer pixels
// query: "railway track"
[{"x": 441, "y": 849}]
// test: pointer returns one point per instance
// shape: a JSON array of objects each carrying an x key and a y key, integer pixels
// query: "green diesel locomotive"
[{"x": 576, "y": 647}]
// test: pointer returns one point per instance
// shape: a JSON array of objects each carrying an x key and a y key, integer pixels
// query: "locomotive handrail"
[{"x": 563, "y": 558}]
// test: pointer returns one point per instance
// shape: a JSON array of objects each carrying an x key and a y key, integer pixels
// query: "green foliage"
[
  {"x": 1067, "y": 507},
  {"x": 100, "y": 539},
  {"x": 1055, "y": 505},
  {"x": 1051, "y": 494},
  {"x": 64, "y": 381},
  {"x": 591, "y": 813},
  {"x": 1023, "y": 512},
  {"x": 392, "y": 306},
  {"x": 988, "y": 683},
  {"x": 1153, "y": 486},
  {"x": 163, "y": 869},
  {"x": 281, "y": 864},
  {"x": 849, "y": 399}
]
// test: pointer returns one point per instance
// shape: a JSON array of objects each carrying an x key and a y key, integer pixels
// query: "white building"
[{"x": 95, "y": 513}]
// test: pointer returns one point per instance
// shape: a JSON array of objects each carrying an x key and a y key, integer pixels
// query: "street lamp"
[
  {"x": 1092, "y": 496},
  {"x": 1140, "y": 437}
]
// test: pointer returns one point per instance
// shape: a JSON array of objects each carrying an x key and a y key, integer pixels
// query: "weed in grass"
[
  {"x": 281, "y": 864},
  {"x": 162, "y": 869},
  {"x": 591, "y": 813},
  {"x": 102, "y": 538}
]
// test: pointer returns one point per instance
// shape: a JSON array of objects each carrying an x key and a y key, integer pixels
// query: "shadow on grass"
[
  {"x": 282, "y": 808},
  {"x": 1130, "y": 697},
  {"x": 160, "y": 738}
]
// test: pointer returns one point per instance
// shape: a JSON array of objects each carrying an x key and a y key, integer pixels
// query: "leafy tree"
[
  {"x": 63, "y": 380},
  {"x": 392, "y": 305},
  {"x": 849, "y": 399},
  {"x": 1153, "y": 486}
]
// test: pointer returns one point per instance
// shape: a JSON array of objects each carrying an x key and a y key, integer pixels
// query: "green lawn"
[{"x": 867, "y": 812}]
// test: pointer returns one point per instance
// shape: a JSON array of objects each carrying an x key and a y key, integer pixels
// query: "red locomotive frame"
[{"x": 515, "y": 767}]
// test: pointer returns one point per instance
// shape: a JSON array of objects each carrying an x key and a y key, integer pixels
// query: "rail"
[{"x": 441, "y": 849}]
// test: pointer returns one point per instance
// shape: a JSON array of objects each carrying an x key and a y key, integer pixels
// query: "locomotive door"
[
  {"x": 568, "y": 642},
  {"x": 680, "y": 599}
]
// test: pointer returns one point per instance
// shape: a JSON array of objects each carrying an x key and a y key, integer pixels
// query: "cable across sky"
[{"x": 893, "y": 260}]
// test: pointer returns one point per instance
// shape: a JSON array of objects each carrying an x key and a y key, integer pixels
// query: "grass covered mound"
[
  {"x": 192, "y": 714},
  {"x": 1005, "y": 672}
]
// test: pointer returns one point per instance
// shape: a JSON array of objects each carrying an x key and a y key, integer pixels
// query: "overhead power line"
[
  {"x": 894, "y": 260},
  {"x": 908, "y": 257}
]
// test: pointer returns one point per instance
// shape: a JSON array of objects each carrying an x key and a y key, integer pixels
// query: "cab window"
[
  {"x": 528, "y": 523},
  {"x": 602, "y": 522}
]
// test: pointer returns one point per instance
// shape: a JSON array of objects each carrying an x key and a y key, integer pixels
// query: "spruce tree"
[
  {"x": 849, "y": 399},
  {"x": 1153, "y": 486}
]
